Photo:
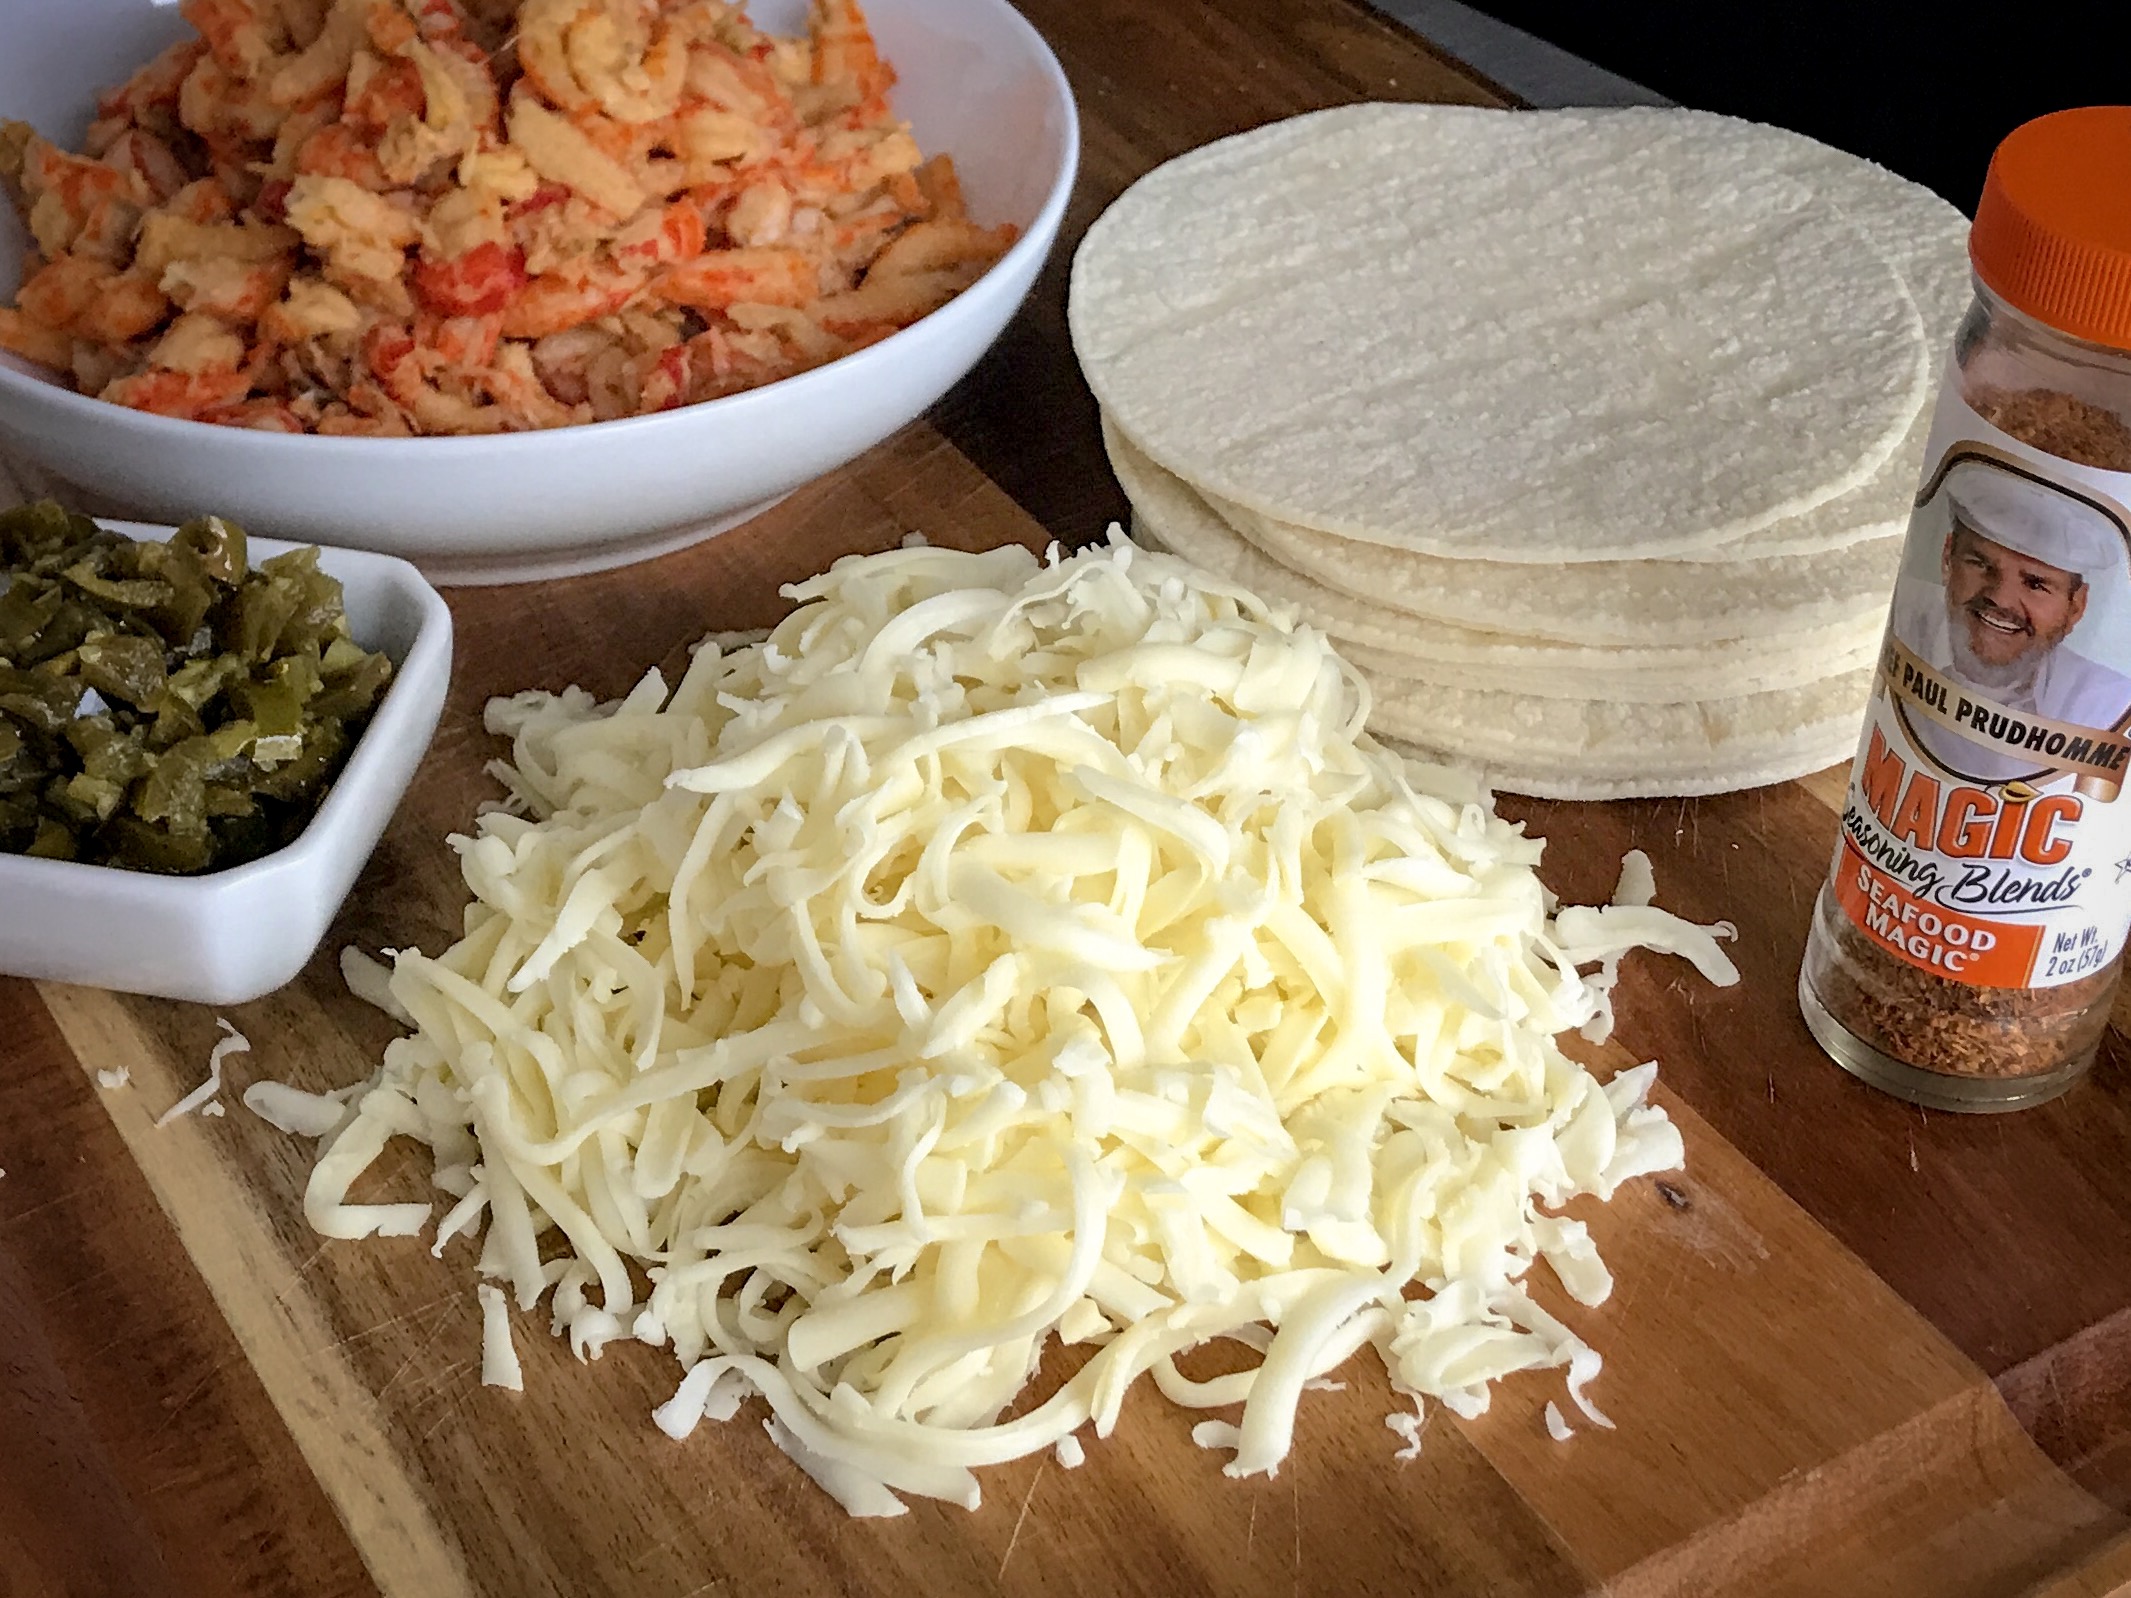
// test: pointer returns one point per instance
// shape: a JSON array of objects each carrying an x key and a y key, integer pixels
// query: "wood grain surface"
[{"x": 1855, "y": 1348}]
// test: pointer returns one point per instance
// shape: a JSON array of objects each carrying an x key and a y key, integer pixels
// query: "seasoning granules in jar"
[{"x": 1967, "y": 945}]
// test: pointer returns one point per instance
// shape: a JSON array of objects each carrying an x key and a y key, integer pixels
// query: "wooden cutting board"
[
  {"x": 1854, "y": 1349},
  {"x": 1789, "y": 1421}
]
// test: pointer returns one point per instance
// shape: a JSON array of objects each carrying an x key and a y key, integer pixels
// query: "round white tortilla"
[
  {"x": 1578, "y": 785},
  {"x": 1453, "y": 657},
  {"x": 1522, "y": 336},
  {"x": 1925, "y": 240},
  {"x": 1754, "y": 675},
  {"x": 1783, "y": 719},
  {"x": 1596, "y": 602},
  {"x": 1167, "y": 513},
  {"x": 1601, "y": 738}
]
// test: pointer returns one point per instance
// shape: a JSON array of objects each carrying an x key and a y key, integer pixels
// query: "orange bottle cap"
[{"x": 2052, "y": 236}]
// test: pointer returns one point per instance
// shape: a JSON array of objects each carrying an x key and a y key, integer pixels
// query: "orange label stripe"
[{"x": 1982, "y": 953}]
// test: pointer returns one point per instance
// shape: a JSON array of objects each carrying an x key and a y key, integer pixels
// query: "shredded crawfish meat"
[{"x": 403, "y": 217}]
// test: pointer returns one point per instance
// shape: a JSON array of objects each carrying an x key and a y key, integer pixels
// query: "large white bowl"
[
  {"x": 229, "y": 936},
  {"x": 975, "y": 81}
]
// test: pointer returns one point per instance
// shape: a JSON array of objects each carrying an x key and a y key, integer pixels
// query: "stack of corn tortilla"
[{"x": 1591, "y": 436}]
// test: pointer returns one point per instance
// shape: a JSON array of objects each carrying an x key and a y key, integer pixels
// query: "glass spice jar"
[{"x": 1966, "y": 948}]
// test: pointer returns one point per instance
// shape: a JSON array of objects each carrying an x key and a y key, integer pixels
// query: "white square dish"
[{"x": 228, "y": 936}]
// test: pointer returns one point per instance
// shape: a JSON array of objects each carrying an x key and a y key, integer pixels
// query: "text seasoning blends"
[{"x": 1965, "y": 949}]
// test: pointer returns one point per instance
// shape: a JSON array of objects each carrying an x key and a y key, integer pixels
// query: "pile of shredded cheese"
[{"x": 1004, "y": 951}]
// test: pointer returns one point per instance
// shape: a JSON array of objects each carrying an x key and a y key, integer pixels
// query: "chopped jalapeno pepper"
[{"x": 168, "y": 707}]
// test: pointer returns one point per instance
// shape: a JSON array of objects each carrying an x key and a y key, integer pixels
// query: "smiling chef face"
[
  {"x": 2010, "y": 606},
  {"x": 2019, "y": 564}
]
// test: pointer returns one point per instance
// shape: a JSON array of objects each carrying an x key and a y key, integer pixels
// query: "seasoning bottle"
[{"x": 1967, "y": 945}]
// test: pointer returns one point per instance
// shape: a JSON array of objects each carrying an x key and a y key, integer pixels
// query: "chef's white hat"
[{"x": 2038, "y": 521}]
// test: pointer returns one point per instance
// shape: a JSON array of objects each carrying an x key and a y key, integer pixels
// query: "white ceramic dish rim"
[
  {"x": 429, "y": 651},
  {"x": 383, "y": 451}
]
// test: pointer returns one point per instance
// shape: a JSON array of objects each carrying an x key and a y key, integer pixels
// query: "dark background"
[{"x": 1927, "y": 91}]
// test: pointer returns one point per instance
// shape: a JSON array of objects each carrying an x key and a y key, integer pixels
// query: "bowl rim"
[
  {"x": 428, "y": 654},
  {"x": 1035, "y": 240}
]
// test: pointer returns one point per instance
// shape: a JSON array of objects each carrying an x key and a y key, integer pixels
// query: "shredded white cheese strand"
[
  {"x": 201, "y": 1097},
  {"x": 289, "y": 1109},
  {"x": 1003, "y": 951},
  {"x": 371, "y": 981},
  {"x": 499, "y": 1355}
]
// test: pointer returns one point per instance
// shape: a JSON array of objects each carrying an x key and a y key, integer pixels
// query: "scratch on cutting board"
[
  {"x": 1021, "y": 1519},
  {"x": 439, "y": 1379},
  {"x": 106, "y": 1345},
  {"x": 83, "y": 1284},
  {"x": 453, "y": 1404},
  {"x": 1294, "y": 1486},
  {"x": 1709, "y": 1232},
  {"x": 643, "y": 1559},
  {"x": 352, "y": 1338},
  {"x": 1250, "y": 1535},
  {"x": 296, "y": 1275},
  {"x": 45, "y": 1204},
  {"x": 421, "y": 1348},
  {"x": 174, "y": 1407}
]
